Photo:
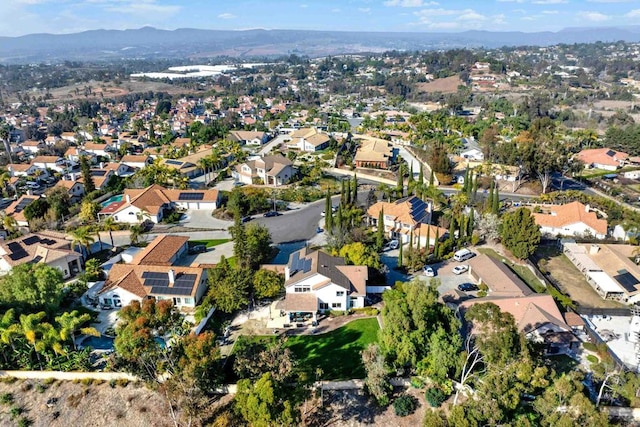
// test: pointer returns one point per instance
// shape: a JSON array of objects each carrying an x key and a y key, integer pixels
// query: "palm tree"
[
  {"x": 110, "y": 225},
  {"x": 96, "y": 229},
  {"x": 30, "y": 324},
  {"x": 83, "y": 238},
  {"x": 4, "y": 180},
  {"x": 9, "y": 223},
  {"x": 204, "y": 164},
  {"x": 71, "y": 322},
  {"x": 136, "y": 232},
  {"x": 49, "y": 340}
]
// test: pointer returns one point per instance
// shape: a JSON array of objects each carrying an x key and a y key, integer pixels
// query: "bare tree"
[{"x": 473, "y": 358}]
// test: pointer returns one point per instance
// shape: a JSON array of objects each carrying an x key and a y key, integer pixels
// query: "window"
[
  {"x": 340, "y": 293},
  {"x": 336, "y": 305},
  {"x": 302, "y": 289},
  {"x": 177, "y": 301},
  {"x": 188, "y": 300},
  {"x": 324, "y": 306}
]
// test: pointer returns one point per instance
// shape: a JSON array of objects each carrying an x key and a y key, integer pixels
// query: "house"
[
  {"x": 471, "y": 150},
  {"x": 309, "y": 139},
  {"x": 102, "y": 150},
  {"x": 49, "y": 162},
  {"x": 69, "y": 137},
  {"x": 153, "y": 273},
  {"x": 609, "y": 269},
  {"x": 101, "y": 177},
  {"x": 32, "y": 147},
  {"x": 74, "y": 188},
  {"x": 73, "y": 154},
  {"x": 119, "y": 169},
  {"x": 16, "y": 209},
  {"x": 375, "y": 153},
  {"x": 46, "y": 247},
  {"x": 19, "y": 169},
  {"x": 154, "y": 202},
  {"x": 316, "y": 281},
  {"x": 602, "y": 158},
  {"x": 404, "y": 217},
  {"x": 572, "y": 219},
  {"x": 136, "y": 161},
  {"x": 535, "y": 315},
  {"x": 249, "y": 137},
  {"x": 185, "y": 168},
  {"x": 270, "y": 170}
]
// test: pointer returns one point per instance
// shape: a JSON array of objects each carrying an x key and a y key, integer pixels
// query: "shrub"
[
  {"x": 122, "y": 382},
  {"x": 591, "y": 358},
  {"x": 112, "y": 383},
  {"x": 6, "y": 398},
  {"x": 337, "y": 313},
  {"x": 417, "y": 382},
  {"x": 24, "y": 422},
  {"x": 405, "y": 405},
  {"x": 40, "y": 388},
  {"x": 590, "y": 346},
  {"x": 48, "y": 381},
  {"x": 15, "y": 412},
  {"x": 434, "y": 397}
]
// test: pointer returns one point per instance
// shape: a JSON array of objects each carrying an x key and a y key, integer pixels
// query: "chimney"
[
  {"x": 594, "y": 249},
  {"x": 73, "y": 177},
  {"x": 128, "y": 198},
  {"x": 587, "y": 208},
  {"x": 101, "y": 165},
  {"x": 172, "y": 277}
]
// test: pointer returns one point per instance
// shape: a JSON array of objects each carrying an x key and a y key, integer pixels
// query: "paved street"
[{"x": 272, "y": 144}]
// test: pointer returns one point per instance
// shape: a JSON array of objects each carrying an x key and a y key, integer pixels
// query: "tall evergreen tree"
[
  {"x": 452, "y": 229},
  {"x": 495, "y": 207},
  {"x": 347, "y": 195},
  {"x": 410, "y": 183},
  {"x": 428, "y": 239},
  {"x": 421, "y": 175},
  {"x": 418, "y": 243},
  {"x": 87, "y": 178},
  {"x": 343, "y": 198},
  {"x": 432, "y": 179},
  {"x": 338, "y": 222},
  {"x": 475, "y": 186},
  {"x": 239, "y": 241},
  {"x": 489, "y": 201},
  {"x": 328, "y": 213},
  {"x": 410, "y": 239},
  {"x": 436, "y": 244},
  {"x": 465, "y": 184},
  {"x": 354, "y": 198},
  {"x": 380, "y": 230},
  {"x": 471, "y": 222},
  {"x": 400, "y": 183},
  {"x": 400, "y": 260}
]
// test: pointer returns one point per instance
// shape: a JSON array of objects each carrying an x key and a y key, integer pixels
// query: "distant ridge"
[{"x": 149, "y": 42}]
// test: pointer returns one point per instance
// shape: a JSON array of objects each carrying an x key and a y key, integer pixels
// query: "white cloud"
[
  {"x": 499, "y": 19},
  {"x": 410, "y": 3},
  {"x": 594, "y": 16},
  {"x": 304, "y": 6},
  {"x": 550, "y": 12},
  {"x": 550, "y": 1},
  {"x": 471, "y": 15},
  {"x": 608, "y": 1},
  {"x": 226, "y": 16},
  {"x": 635, "y": 13},
  {"x": 336, "y": 10}
]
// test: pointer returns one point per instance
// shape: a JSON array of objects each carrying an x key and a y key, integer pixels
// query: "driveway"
[
  {"x": 202, "y": 218},
  {"x": 448, "y": 280}
]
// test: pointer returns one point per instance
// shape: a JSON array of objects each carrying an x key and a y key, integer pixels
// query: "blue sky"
[{"x": 64, "y": 16}]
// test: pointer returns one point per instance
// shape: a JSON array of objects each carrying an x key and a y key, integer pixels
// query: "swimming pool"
[
  {"x": 102, "y": 342},
  {"x": 112, "y": 199}
]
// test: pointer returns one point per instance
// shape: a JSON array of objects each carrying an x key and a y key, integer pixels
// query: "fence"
[{"x": 204, "y": 321}]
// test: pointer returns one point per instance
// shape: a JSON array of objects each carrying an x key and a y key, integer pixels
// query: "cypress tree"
[
  {"x": 342, "y": 195},
  {"x": 421, "y": 175},
  {"x": 489, "y": 202},
  {"x": 85, "y": 168},
  {"x": 347, "y": 196},
  {"x": 465, "y": 184},
  {"x": 495, "y": 207},
  {"x": 354, "y": 198},
  {"x": 410, "y": 185},
  {"x": 338, "y": 222},
  {"x": 418, "y": 245},
  {"x": 471, "y": 221},
  {"x": 400, "y": 183},
  {"x": 380, "y": 230},
  {"x": 431, "y": 179},
  {"x": 328, "y": 214},
  {"x": 475, "y": 186},
  {"x": 436, "y": 244},
  {"x": 400, "y": 261},
  {"x": 410, "y": 238},
  {"x": 452, "y": 229},
  {"x": 428, "y": 239}
]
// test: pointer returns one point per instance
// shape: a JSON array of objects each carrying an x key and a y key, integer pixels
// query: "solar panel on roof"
[
  {"x": 164, "y": 290},
  {"x": 307, "y": 266},
  {"x": 154, "y": 275},
  {"x": 294, "y": 261},
  {"x": 611, "y": 153},
  {"x": 23, "y": 204},
  {"x": 627, "y": 280},
  {"x": 98, "y": 173},
  {"x": 191, "y": 196},
  {"x": 157, "y": 282},
  {"x": 31, "y": 240},
  {"x": 173, "y": 162},
  {"x": 17, "y": 251},
  {"x": 185, "y": 281}
]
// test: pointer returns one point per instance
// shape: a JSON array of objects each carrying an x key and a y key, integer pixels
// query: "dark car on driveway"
[
  {"x": 272, "y": 213},
  {"x": 467, "y": 287},
  {"x": 197, "y": 249}
]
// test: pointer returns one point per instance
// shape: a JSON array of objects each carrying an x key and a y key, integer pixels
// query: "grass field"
[
  {"x": 208, "y": 243},
  {"x": 521, "y": 271},
  {"x": 337, "y": 352}
]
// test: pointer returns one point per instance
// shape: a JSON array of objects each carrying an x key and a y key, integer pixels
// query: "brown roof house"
[
  {"x": 47, "y": 247},
  {"x": 316, "y": 281},
  {"x": 268, "y": 170},
  {"x": 309, "y": 139},
  {"x": 16, "y": 209},
  {"x": 536, "y": 315},
  {"x": 602, "y": 158},
  {"x": 572, "y": 219},
  {"x": 153, "y": 274},
  {"x": 249, "y": 137},
  {"x": 153, "y": 203},
  {"x": 374, "y": 153},
  {"x": 410, "y": 215}
]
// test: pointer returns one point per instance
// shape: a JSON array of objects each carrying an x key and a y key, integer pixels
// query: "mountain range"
[{"x": 148, "y": 42}]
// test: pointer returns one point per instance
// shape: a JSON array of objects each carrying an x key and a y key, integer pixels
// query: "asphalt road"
[{"x": 294, "y": 225}]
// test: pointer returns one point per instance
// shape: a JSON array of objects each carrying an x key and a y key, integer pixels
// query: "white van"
[{"x": 463, "y": 255}]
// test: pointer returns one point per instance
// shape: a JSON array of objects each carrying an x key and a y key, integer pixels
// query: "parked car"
[
  {"x": 272, "y": 213},
  {"x": 459, "y": 269},
  {"x": 428, "y": 271},
  {"x": 394, "y": 244},
  {"x": 247, "y": 218},
  {"x": 467, "y": 287},
  {"x": 198, "y": 249}
]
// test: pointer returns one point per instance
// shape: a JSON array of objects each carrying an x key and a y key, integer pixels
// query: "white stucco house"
[
  {"x": 249, "y": 137},
  {"x": 318, "y": 282},
  {"x": 573, "y": 219},
  {"x": 272, "y": 170}
]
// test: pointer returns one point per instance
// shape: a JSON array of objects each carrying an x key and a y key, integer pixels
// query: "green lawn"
[
  {"x": 208, "y": 243},
  {"x": 337, "y": 352},
  {"x": 520, "y": 270}
]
